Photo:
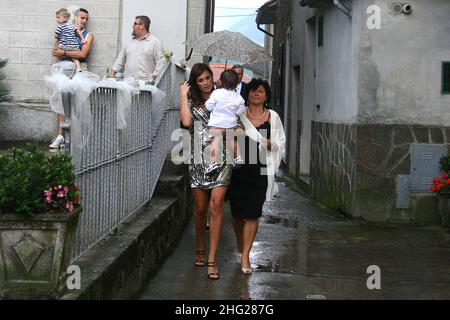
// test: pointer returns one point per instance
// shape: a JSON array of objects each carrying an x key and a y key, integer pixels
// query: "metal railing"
[{"x": 120, "y": 168}]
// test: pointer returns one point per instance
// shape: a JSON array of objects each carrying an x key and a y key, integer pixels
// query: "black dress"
[{"x": 247, "y": 191}]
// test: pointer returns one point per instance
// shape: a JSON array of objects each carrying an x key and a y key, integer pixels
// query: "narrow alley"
[{"x": 305, "y": 251}]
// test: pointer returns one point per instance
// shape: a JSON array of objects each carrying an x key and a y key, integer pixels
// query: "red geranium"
[{"x": 441, "y": 184}]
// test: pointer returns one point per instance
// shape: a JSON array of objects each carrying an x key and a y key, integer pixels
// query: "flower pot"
[
  {"x": 444, "y": 208},
  {"x": 35, "y": 253}
]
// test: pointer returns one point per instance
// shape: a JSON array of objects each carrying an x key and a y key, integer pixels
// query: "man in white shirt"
[{"x": 140, "y": 56}]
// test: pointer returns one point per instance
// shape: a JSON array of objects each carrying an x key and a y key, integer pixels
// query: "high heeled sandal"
[
  {"x": 213, "y": 275},
  {"x": 246, "y": 271},
  {"x": 200, "y": 262}
]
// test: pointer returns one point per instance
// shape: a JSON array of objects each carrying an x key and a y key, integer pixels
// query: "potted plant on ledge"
[{"x": 39, "y": 211}]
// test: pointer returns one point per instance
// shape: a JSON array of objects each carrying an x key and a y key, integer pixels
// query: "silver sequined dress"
[{"x": 200, "y": 146}]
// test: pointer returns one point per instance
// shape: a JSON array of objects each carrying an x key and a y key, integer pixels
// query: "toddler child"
[
  {"x": 66, "y": 34},
  {"x": 225, "y": 104}
]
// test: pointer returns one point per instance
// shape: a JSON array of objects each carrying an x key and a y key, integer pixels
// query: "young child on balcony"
[
  {"x": 225, "y": 104},
  {"x": 66, "y": 35}
]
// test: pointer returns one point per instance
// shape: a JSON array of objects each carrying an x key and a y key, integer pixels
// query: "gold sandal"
[
  {"x": 213, "y": 275},
  {"x": 200, "y": 262}
]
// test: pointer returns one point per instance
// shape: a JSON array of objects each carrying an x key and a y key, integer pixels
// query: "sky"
[
  {"x": 230, "y": 12},
  {"x": 238, "y": 15}
]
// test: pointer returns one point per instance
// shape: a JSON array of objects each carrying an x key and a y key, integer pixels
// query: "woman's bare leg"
[
  {"x": 250, "y": 230},
  {"x": 216, "y": 223},
  {"x": 201, "y": 198},
  {"x": 60, "y": 120},
  {"x": 238, "y": 226},
  {"x": 215, "y": 144}
]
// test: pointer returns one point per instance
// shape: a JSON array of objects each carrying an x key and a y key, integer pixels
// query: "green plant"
[
  {"x": 3, "y": 89},
  {"x": 442, "y": 184},
  {"x": 445, "y": 163},
  {"x": 33, "y": 183}
]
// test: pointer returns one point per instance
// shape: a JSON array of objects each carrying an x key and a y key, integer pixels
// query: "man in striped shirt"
[
  {"x": 82, "y": 54},
  {"x": 66, "y": 35}
]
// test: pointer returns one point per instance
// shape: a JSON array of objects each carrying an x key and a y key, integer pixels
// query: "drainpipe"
[
  {"x": 261, "y": 29},
  {"x": 209, "y": 16},
  {"x": 343, "y": 7}
]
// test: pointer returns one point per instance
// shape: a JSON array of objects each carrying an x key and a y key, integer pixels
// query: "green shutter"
[
  {"x": 320, "y": 33},
  {"x": 445, "y": 88}
]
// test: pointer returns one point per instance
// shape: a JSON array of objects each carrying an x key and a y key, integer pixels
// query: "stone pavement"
[{"x": 305, "y": 251}]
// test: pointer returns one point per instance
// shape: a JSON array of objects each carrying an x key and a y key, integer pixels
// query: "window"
[
  {"x": 445, "y": 89},
  {"x": 320, "y": 33}
]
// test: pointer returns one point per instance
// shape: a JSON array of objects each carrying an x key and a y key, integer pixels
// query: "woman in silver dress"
[{"x": 208, "y": 190}]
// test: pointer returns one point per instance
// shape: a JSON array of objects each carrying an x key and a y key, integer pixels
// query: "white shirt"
[
  {"x": 238, "y": 88},
  {"x": 139, "y": 58},
  {"x": 273, "y": 156},
  {"x": 225, "y": 105}
]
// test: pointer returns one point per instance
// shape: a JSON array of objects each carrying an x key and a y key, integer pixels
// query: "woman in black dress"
[{"x": 254, "y": 183}]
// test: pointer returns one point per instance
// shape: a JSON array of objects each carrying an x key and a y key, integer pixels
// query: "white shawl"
[{"x": 273, "y": 156}]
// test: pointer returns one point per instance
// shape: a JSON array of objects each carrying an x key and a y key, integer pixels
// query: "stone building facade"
[{"x": 365, "y": 103}]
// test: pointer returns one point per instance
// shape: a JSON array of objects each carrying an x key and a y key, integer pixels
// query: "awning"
[{"x": 267, "y": 13}]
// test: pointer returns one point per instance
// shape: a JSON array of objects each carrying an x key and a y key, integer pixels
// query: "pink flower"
[
  {"x": 48, "y": 195},
  {"x": 60, "y": 194},
  {"x": 66, "y": 189},
  {"x": 69, "y": 206}
]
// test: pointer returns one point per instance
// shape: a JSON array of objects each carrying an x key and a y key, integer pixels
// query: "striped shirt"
[{"x": 67, "y": 36}]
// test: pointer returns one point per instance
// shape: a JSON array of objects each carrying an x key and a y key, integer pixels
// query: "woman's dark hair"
[
  {"x": 196, "y": 71},
  {"x": 255, "y": 83}
]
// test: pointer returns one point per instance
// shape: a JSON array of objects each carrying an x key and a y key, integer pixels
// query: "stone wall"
[
  {"x": 383, "y": 152},
  {"x": 354, "y": 169},
  {"x": 27, "y": 38},
  {"x": 333, "y": 164}
]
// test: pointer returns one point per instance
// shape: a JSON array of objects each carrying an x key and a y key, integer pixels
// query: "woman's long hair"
[
  {"x": 254, "y": 84},
  {"x": 196, "y": 71}
]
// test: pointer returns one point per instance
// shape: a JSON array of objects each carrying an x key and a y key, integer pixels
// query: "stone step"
[
  {"x": 118, "y": 266},
  {"x": 169, "y": 186}
]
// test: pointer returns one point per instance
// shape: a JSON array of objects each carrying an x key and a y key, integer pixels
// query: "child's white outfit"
[{"x": 225, "y": 106}]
